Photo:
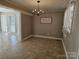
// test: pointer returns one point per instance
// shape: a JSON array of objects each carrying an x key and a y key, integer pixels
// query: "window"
[{"x": 68, "y": 18}]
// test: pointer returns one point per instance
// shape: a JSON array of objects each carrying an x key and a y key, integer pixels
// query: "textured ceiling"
[{"x": 47, "y": 5}]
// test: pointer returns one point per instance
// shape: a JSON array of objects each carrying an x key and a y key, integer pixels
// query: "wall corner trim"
[
  {"x": 41, "y": 36},
  {"x": 65, "y": 49},
  {"x": 48, "y": 37},
  {"x": 27, "y": 37}
]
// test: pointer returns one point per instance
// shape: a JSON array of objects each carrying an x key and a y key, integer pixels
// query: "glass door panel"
[
  {"x": 8, "y": 23},
  {"x": 0, "y": 24},
  {"x": 4, "y": 23},
  {"x": 12, "y": 23}
]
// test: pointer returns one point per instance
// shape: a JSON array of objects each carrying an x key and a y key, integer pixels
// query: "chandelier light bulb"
[
  {"x": 35, "y": 9},
  {"x": 38, "y": 12}
]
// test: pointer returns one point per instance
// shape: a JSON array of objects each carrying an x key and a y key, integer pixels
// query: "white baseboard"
[
  {"x": 49, "y": 37},
  {"x": 65, "y": 49},
  {"x": 41, "y": 36},
  {"x": 27, "y": 37}
]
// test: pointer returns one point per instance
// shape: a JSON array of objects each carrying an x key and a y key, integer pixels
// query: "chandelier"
[{"x": 37, "y": 11}]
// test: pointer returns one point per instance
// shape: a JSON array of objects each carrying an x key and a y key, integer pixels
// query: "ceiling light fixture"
[{"x": 38, "y": 11}]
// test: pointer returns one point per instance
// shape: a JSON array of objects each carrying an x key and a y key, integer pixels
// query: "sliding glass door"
[
  {"x": 11, "y": 23},
  {"x": 8, "y": 23}
]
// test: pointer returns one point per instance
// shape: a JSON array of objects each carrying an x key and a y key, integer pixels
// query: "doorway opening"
[{"x": 10, "y": 25}]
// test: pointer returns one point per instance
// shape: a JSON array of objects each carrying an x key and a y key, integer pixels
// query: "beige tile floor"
[{"x": 33, "y": 48}]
